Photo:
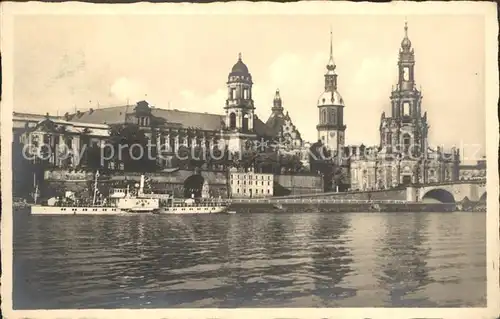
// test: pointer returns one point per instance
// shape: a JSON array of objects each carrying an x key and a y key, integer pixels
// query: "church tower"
[
  {"x": 331, "y": 128},
  {"x": 239, "y": 109},
  {"x": 406, "y": 130}
]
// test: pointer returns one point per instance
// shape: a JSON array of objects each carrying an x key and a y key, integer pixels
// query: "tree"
[
  {"x": 130, "y": 145},
  {"x": 93, "y": 161},
  {"x": 183, "y": 157},
  {"x": 23, "y": 171},
  {"x": 340, "y": 178},
  {"x": 268, "y": 162},
  {"x": 198, "y": 157},
  {"x": 290, "y": 163}
]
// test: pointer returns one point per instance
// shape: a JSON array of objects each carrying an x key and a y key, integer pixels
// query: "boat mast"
[
  {"x": 35, "y": 190},
  {"x": 95, "y": 188},
  {"x": 141, "y": 186}
]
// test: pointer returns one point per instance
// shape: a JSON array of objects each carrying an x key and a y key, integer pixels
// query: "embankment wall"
[
  {"x": 78, "y": 181},
  {"x": 298, "y": 184}
]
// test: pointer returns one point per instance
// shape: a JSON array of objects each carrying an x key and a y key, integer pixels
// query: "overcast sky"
[{"x": 183, "y": 61}]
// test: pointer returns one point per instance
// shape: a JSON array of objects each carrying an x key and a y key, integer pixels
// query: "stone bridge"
[{"x": 448, "y": 192}]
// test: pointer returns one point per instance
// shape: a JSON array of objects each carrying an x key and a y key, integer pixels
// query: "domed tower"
[
  {"x": 239, "y": 106},
  {"x": 331, "y": 128}
]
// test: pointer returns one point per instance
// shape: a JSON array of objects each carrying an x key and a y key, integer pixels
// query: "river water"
[{"x": 250, "y": 260}]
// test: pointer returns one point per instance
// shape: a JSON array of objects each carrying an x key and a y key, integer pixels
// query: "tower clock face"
[{"x": 332, "y": 134}]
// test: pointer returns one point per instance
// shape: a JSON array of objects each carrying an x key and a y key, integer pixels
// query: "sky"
[{"x": 63, "y": 63}]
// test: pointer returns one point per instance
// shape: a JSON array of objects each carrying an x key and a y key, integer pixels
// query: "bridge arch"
[
  {"x": 483, "y": 197},
  {"x": 438, "y": 195},
  {"x": 193, "y": 185}
]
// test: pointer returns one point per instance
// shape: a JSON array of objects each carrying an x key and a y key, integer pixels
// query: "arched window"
[
  {"x": 233, "y": 94},
  {"x": 406, "y": 142},
  {"x": 232, "y": 120},
  {"x": 388, "y": 138},
  {"x": 245, "y": 94},
  {"x": 333, "y": 120},
  {"x": 323, "y": 117},
  {"x": 245, "y": 122},
  {"x": 406, "y": 109}
]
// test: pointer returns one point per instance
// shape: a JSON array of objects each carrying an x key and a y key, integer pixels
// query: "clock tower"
[{"x": 331, "y": 128}]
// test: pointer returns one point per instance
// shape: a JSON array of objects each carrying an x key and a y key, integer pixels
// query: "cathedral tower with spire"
[
  {"x": 403, "y": 156},
  {"x": 331, "y": 128},
  {"x": 405, "y": 130}
]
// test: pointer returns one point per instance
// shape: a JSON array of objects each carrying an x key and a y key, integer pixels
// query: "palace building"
[
  {"x": 170, "y": 128},
  {"x": 403, "y": 155}
]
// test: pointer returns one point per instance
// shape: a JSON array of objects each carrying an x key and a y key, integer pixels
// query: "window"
[
  {"x": 245, "y": 122},
  {"x": 406, "y": 74},
  {"x": 238, "y": 191},
  {"x": 233, "y": 94},
  {"x": 406, "y": 109},
  {"x": 406, "y": 142},
  {"x": 232, "y": 120},
  {"x": 333, "y": 117},
  {"x": 268, "y": 191},
  {"x": 245, "y": 94}
]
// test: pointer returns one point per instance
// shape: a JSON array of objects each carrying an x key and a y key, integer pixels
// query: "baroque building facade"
[
  {"x": 403, "y": 155},
  {"x": 169, "y": 129}
]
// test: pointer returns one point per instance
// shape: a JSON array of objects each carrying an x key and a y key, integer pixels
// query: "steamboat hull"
[
  {"x": 193, "y": 210},
  {"x": 55, "y": 210}
]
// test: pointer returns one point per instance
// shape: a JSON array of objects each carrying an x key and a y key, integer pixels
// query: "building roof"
[
  {"x": 330, "y": 98},
  {"x": 184, "y": 119},
  {"x": 276, "y": 122},
  {"x": 239, "y": 68}
]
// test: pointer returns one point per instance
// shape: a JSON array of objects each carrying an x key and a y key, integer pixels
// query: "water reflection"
[
  {"x": 403, "y": 259},
  {"x": 331, "y": 258},
  {"x": 248, "y": 260}
]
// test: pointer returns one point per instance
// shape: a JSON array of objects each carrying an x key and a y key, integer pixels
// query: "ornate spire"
[
  {"x": 331, "y": 75},
  {"x": 331, "y": 64},
  {"x": 239, "y": 56},
  {"x": 406, "y": 43},
  {"x": 277, "y": 103}
]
